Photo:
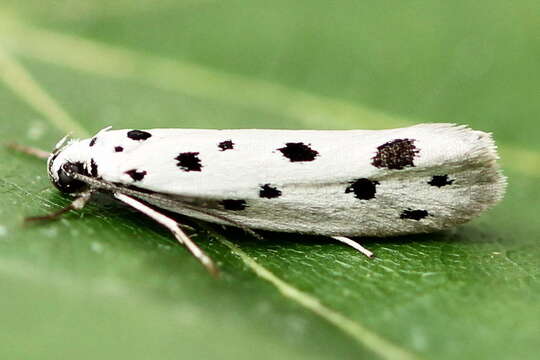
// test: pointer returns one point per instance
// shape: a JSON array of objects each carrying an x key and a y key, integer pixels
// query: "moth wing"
[{"x": 226, "y": 172}]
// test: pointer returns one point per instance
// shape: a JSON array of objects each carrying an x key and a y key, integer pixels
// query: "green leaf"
[{"x": 106, "y": 282}]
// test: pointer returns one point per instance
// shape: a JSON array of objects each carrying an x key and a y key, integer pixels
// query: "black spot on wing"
[
  {"x": 363, "y": 189},
  {"x": 138, "y": 135},
  {"x": 413, "y": 214},
  {"x": 93, "y": 142},
  {"x": 269, "y": 192},
  {"x": 118, "y": 149},
  {"x": 298, "y": 152},
  {"x": 395, "y": 154},
  {"x": 93, "y": 168},
  {"x": 235, "y": 205},
  {"x": 226, "y": 145},
  {"x": 440, "y": 180},
  {"x": 136, "y": 175},
  {"x": 189, "y": 161}
]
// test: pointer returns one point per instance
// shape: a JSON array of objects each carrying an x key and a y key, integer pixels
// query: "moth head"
[{"x": 66, "y": 160}]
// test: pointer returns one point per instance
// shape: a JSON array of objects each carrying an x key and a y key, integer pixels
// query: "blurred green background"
[{"x": 107, "y": 283}]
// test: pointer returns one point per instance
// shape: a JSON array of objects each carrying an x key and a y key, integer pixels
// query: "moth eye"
[
  {"x": 70, "y": 167},
  {"x": 66, "y": 182},
  {"x": 64, "y": 177}
]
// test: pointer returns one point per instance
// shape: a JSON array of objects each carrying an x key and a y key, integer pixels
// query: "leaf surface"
[{"x": 106, "y": 282}]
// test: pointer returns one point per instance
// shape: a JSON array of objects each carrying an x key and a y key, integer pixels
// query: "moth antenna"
[
  {"x": 77, "y": 204},
  {"x": 174, "y": 228},
  {"x": 100, "y": 184},
  {"x": 354, "y": 245},
  {"x": 41, "y": 154},
  {"x": 225, "y": 219}
]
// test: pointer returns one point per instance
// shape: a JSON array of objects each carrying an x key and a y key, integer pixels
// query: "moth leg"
[
  {"x": 80, "y": 201},
  {"x": 173, "y": 227},
  {"x": 354, "y": 245},
  {"x": 41, "y": 154}
]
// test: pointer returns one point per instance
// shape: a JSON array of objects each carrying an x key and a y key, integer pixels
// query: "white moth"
[{"x": 410, "y": 180}]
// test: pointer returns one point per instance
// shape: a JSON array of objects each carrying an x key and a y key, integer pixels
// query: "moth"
[{"x": 341, "y": 184}]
